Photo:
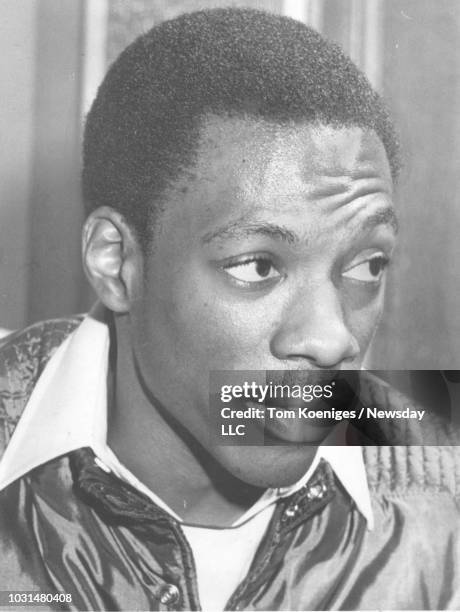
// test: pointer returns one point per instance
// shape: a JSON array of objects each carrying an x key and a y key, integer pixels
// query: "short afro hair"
[{"x": 144, "y": 125}]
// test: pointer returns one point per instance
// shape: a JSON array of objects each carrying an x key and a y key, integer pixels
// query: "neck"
[{"x": 162, "y": 454}]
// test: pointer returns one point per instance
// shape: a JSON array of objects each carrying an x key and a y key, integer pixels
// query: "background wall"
[
  {"x": 53, "y": 54},
  {"x": 17, "y": 71}
]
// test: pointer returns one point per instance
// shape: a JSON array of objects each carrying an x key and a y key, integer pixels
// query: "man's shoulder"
[
  {"x": 23, "y": 356},
  {"x": 409, "y": 455},
  {"x": 423, "y": 472}
]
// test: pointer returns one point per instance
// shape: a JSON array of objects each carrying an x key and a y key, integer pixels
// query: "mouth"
[
  {"x": 292, "y": 424},
  {"x": 290, "y": 408}
]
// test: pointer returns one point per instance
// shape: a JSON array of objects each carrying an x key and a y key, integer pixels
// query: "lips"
[{"x": 283, "y": 429}]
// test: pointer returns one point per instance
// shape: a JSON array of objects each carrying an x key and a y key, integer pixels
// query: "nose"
[{"x": 313, "y": 330}]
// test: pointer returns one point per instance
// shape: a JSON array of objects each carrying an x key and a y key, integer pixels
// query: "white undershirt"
[{"x": 223, "y": 557}]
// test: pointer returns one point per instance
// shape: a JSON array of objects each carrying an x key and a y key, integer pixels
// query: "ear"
[{"x": 112, "y": 258}]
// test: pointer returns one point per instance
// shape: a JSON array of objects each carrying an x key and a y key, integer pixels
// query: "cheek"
[
  {"x": 364, "y": 321},
  {"x": 190, "y": 321},
  {"x": 220, "y": 331}
]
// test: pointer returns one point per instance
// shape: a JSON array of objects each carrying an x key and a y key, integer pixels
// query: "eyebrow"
[
  {"x": 242, "y": 229},
  {"x": 384, "y": 216}
]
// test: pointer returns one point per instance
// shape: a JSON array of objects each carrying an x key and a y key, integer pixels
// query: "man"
[{"x": 238, "y": 174}]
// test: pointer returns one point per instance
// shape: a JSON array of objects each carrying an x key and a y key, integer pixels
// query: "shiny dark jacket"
[{"x": 69, "y": 527}]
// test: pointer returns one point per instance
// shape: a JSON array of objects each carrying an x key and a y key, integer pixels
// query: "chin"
[{"x": 267, "y": 466}]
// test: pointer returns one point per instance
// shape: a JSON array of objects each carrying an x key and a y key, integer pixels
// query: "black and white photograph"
[{"x": 229, "y": 305}]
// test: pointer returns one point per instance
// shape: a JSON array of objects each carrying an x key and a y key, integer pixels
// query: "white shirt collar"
[{"x": 67, "y": 410}]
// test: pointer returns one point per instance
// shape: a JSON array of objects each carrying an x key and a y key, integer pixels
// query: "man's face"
[{"x": 270, "y": 255}]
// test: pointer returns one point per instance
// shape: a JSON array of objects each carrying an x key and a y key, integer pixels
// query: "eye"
[
  {"x": 369, "y": 271},
  {"x": 253, "y": 270}
]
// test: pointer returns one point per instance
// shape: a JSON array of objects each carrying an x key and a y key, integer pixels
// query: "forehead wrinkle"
[
  {"x": 354, "y": 185},
  {"x": 343, "y": 195}
]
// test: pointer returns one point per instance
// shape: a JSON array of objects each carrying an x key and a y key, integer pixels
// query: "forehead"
[
  {"x": 248, "y": 146},
  {"x": 250, "y": 167}
]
